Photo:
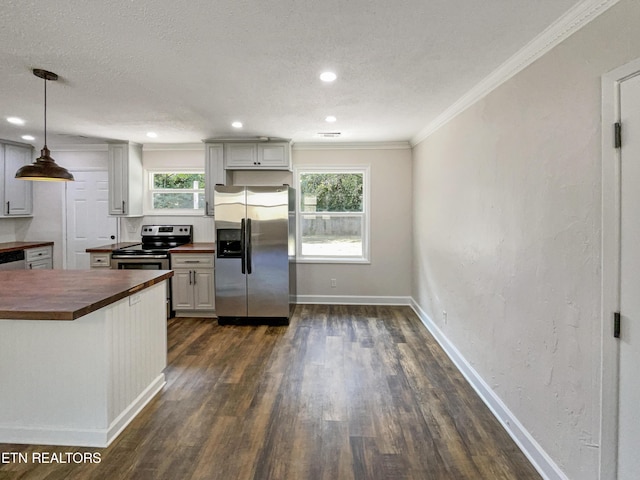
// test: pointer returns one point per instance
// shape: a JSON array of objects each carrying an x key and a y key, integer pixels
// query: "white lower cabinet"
[
  {"x": 192, "y": 287},
  {"x": 39, "y": 258}
]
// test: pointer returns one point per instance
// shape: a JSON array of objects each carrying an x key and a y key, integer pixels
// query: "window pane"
[
  {"x": 331, "y": 192},
  {"x": 178, "y": 180},
  {"x": 331, "y": 236},
  {"x": 177, "y": 200}
]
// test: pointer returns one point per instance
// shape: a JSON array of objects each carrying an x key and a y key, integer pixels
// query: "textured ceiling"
[{"x": 187, "y": 69}]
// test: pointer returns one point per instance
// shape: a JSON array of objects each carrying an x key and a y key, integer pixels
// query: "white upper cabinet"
[
  {"x": 125, "y": 179},
  {"x": 17, "y": 194},
  {"x": 258, "y": 156},
  {"x": 215, "y": 173}
]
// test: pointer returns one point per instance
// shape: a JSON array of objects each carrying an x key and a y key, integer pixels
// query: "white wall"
[
  {"x": 507, "y": 213},
  {"x": 388, "y": 274}
]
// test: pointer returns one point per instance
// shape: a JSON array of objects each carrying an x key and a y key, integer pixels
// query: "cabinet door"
[
  {"x": 125, "y": 179},
  {"x": 118, "y": 186},
  {"x": 18, "y": 194},
  {"x": 182, "y": 291},
  {"x": 240, "y": 155},
  {"x": 214, "y": 173},
  {"x": 273, "y": 155},
  {"x": 204, "y": 290},
  {"x": 40, "y": 265}
]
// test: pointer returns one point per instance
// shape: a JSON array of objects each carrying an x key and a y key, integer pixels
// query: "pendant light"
[{"x": 44, "y": 168}]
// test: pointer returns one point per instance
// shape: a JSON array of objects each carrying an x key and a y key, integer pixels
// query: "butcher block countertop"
[
  {"x": 201, "y": 247},
  {"x": 69, "y": 294},
  {"x": 112, "y": 246},
  {"x": 11, "y": 246}
]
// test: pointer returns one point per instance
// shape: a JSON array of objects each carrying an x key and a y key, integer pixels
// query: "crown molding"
[
  {"x": 80, "y": 147},
  {"x": 151, "y": 147},
  {"x": 569, "y": 23},
  {"x": 351, "y": 146}
]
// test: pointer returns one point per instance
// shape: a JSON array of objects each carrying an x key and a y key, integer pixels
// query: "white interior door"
[
  {"x": 629, "y": 386},
  {"x": 88, "y": 221}
]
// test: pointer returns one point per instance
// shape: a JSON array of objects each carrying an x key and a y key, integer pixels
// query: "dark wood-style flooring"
[{"x": 343, "y": 392}]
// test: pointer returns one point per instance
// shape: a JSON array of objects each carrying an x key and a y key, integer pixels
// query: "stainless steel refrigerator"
[{"x": 255, "y": 253}]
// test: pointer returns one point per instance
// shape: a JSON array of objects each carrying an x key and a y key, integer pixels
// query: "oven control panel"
[{"x": 166, "y": 230}]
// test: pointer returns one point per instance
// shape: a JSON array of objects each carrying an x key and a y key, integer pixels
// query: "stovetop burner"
[{"x": 157, "y": 240}]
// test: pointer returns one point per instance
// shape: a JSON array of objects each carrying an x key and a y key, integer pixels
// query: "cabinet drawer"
[
  {"x": 100, "y": 260},
  {"x": 181, "y": 260},
  {"x": 40, "y": 253}
]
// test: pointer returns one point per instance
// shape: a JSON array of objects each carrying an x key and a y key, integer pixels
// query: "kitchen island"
[{"x": 81, "y": 353}]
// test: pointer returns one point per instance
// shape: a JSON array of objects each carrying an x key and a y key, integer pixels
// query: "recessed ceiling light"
[
  {"x": 152, "y": 135},
  {"x": 15, "y": 120},
  {"x": 330, "y": 119},
  {"x": 28, "y": 137},
  {"x": 328, "y": 76},
  {"x": 236, "y": 124}
]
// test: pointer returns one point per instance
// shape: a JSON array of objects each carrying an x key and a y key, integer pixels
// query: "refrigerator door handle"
[
  {"x": 243, "y": 244},
  {"x": 248, "y": 246}
]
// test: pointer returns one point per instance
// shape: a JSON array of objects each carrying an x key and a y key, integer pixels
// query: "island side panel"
[{"x": 137, "y": 342}]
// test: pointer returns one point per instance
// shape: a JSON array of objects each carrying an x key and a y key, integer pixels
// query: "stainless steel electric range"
[{"x": 153, "y": 252}]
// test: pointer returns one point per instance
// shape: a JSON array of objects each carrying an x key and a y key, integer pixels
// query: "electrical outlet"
[{"x": 334, "y": 283}]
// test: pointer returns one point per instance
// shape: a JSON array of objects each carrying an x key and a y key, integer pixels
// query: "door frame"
[{"x": 610, "y": 235}]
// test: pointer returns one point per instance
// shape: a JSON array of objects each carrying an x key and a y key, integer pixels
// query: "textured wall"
[{"x": 507, "y": 215}]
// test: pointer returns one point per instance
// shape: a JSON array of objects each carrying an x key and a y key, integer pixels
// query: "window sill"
[{"x": 334, "y": 260}]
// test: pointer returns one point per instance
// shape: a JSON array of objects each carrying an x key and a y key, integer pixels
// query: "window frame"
[
  {"x": 365, "y": 170},
  {"x": 149, "y": 191}
]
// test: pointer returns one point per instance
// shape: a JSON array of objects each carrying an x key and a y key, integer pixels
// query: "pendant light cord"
[{"x": 45, "y": 111}]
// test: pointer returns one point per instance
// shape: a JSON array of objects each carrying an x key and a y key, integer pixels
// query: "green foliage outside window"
[
  {"x": 178, "y": 191},
  {"x": 331, "y": 192},
  {"x": 178, "y": 180}
]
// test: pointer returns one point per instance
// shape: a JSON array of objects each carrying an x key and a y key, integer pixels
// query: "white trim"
[
  {"x": 403, "y": 145},
  {"x": 610, "y": 267},
  {"x": 542, "y": 462},
  {"x": 351, "y": 300},
  {"x": 81, "y": 147},
  {"x": 147, "y": 204},
  {"x": 154, "y": 147},
  {"x": 129, "y": 413},
  {"x": 98, "y": 437},
  {"x": 573, "y": 20},
  {"x": 365, "y": 170}
]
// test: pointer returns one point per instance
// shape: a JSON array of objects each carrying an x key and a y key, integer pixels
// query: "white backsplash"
[{"x": 203, "y": 227}]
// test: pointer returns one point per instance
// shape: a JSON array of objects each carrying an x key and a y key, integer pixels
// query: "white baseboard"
[
  {"x": 129, "y": 413},
  {"x": 542, "y": 462},
  {"x": 82, "y": 437},
  {"x": 351, "y": 300}
]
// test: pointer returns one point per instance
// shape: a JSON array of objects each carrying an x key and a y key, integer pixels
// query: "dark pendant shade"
[{"x": 44, "y": 168}]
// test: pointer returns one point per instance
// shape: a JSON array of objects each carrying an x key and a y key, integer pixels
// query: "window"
[
  {"x": 333, "y": 211},
  {"x": 175, "y": 192}
]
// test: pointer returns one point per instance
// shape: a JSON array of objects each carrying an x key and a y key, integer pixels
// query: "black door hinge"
[
  {"x": 617, "y": 135},
  {"x": 616, "y": 324}
]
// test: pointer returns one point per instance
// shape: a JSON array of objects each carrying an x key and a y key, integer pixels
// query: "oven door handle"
[{"x": 141, "y": 257}]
